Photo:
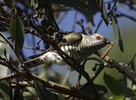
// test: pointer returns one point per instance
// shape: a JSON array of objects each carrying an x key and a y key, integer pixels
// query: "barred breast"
[{"x": 79, "y": 50}]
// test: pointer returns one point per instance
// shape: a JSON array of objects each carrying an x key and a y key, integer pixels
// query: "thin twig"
[
  {"x": 14, "y": 69},
  {"x": 125, "y": 15},
  {"x": 9, "y": 76},
  {"x": 99, "y": 69},
  {"x": 26, "y": 47},
  {"x": 75, "y": 18},
  {"x": 98, "y": 26}
]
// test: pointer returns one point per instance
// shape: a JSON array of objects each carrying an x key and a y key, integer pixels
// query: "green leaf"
[
  {"x": 117, "y": 34},
  {"x": 4, "y": 53},
  {"x": 114, "y": 85},
  {"x": 132, "y": 63},
  {"x": 29, "y": 92},
  {"x": 34, "y": 3},
  {"x": 121, "y": 97},
  {"x": 88, "y": 88},
  {"x": 17, "y": 31},
  {"x": 87, "y": 7},
  {"x": 128, "y": 84},
  {"x": 104, "y": 12},
  {"x": 17, "y": 94},
  {"x": 43, "y": 93},
  {"x": 105, "y": 17},
  {"x": 128, "y": 87},
  {"x": 5, "y": 90}
]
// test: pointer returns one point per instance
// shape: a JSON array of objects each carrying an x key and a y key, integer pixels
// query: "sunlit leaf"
[
  {"x": 5, "y": 90},
  {"x": 128, "y": 84},
  {"x": 114, "y": 85},
  {"x": 43, "y": 93},
  {"x": 34, "y": 3},
  {"x": 29, "y": 92},
  {"x": 117, "y": 34},
  {"x": 17, "y": 31},
  {"x": 121, "y": 97},
  {"x": 4, "y": 53}
]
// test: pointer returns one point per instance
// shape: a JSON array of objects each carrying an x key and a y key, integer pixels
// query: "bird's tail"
[{"x": 32, "y": 63}]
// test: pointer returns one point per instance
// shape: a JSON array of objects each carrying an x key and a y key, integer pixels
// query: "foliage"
[{"x": 28, "y": 21}]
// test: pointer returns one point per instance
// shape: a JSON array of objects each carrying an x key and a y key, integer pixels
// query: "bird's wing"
[{"x": 70, "y": 38}]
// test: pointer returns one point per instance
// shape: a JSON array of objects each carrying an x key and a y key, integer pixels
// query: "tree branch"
[
  {"x": 63, "y": 89},
  {"x": 51, "y": 85},
  {"x": 121, "y": 67}
]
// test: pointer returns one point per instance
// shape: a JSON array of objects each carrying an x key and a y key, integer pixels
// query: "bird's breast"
[{"x": 77, "y": 51}]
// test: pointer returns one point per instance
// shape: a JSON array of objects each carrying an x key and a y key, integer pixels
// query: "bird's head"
[{"x": 99, "y": 40}]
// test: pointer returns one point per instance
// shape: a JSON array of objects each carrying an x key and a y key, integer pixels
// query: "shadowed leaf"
[
  {"x": 3, "y": 28},
  {"x": 88, "y": 8},
  {"x": 131, "y": 63},
  {"x": 128, "y": 84},
  {"x": 104, "y": 12},
  {"x": 43, "y": 93},
  {"x": 88, "y": 89},
  {"x": 117, "y": 34},
  {"x": 17, "y": 93},
  {"x": 5, "y": 90},
  {"x": 9, "y": 3},
  {"x": 114, "y": 85},
  {"x": 17, "y": 31}
]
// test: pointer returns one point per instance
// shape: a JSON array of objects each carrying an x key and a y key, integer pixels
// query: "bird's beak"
[{"x": 107, "y": 41}]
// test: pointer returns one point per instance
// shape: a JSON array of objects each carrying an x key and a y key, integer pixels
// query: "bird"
[{"x": 79, "y": 46}]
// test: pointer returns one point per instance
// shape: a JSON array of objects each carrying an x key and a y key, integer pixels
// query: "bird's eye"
[{"x": 98, "y": 37}]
